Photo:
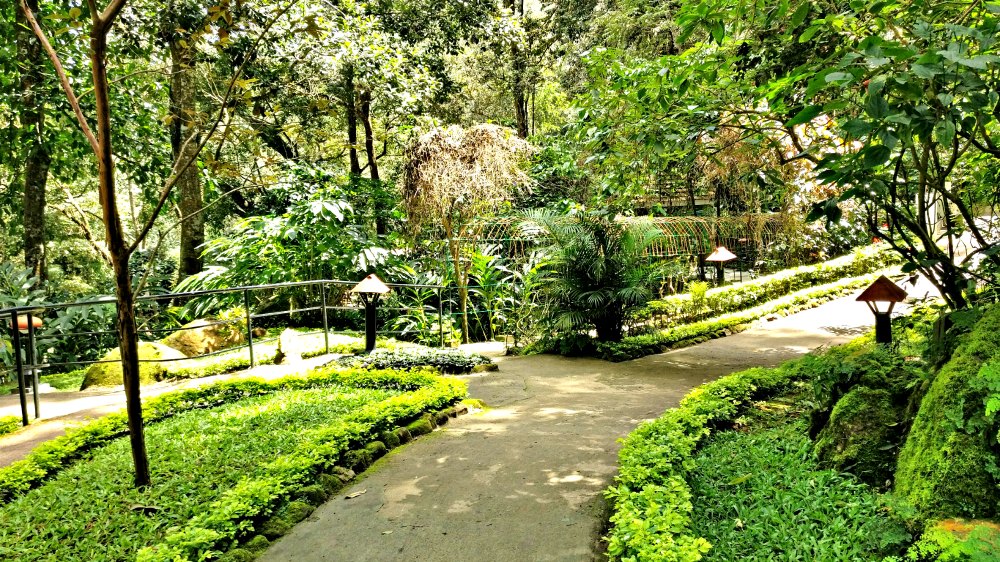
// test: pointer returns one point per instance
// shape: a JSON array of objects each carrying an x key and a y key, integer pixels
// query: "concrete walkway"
[{"x": 523, "y": 480}]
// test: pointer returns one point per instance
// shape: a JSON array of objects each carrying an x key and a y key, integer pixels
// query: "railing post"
[
  {"x": 246, "y": 307},
  {"x": 326, "y": 325},
  {"x": 32, "y": 363},
  {"x": 19, "y": 367},
  {"x": 440, "y": 318}
]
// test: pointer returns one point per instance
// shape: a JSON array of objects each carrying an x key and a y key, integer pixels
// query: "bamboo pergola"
[{"x": 682, "y": 236}]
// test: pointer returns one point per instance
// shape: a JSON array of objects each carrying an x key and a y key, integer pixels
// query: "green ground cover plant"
[
  {"x": 758, "y": 496},
  {"x": 218, "y": 473},
  {"x": 451, "y": 361},
  {"x": 52, "y": 456},
  {"x": 651, "y": 497}
]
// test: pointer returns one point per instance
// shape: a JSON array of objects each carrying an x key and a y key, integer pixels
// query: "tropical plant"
[{"x": 598, "y": 273}]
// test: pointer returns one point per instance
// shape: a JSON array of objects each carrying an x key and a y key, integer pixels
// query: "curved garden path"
[{"x": 523, "y": 480}]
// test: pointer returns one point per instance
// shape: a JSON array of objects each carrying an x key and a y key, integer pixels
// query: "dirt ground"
[{"x": 523, "y": 480}]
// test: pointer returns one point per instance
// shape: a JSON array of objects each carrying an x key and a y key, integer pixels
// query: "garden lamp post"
[
  {"x": 25, "y": 323},
  {"x": 882, "y": 291},
  {"x": 370, "y": 290},
  {"x": 719, "y": 257}
]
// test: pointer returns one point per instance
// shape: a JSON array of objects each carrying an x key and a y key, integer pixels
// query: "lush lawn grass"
[
  {"x": 86, "y": 512},
  {"x": 758, "y": 496}
]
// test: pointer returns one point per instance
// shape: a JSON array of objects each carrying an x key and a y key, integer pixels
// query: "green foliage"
[
  {"x": 451, "y": 361},
  {"x": 632, "y": 347},
  {"x": 681, "y": 309},
  {"x": 956, "y": 541},
  {"x": 9, "y": 424},
  {"x": 652, "y": 500},
  {"x": 598, "y": 273},
  {"x": 948, "y": 466},
  {"x": 201, "y": 455},
  {"x": 52, "y": 456},
  {"x": 758, "y": 495},
  {"x": 865, "y": 428}
]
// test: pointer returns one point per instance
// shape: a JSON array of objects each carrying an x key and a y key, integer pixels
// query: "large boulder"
[
  {"x": 110, "y": 374},
  {"x": 863, "y": 430},
  {"x": 947, "y": 467},
  {"x": 206, "y": 336}
]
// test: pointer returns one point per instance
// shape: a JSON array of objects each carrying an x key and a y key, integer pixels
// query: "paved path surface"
[{"x": 523, "y": 480}]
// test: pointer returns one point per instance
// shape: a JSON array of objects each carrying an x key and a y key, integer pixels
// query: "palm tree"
[{"x": 599, "y": 270}]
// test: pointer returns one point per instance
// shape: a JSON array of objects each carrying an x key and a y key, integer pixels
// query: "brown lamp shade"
[
  {"x": 721, "y": 254},
  {"x": 22, "y": 322},
  {"x": 371, "y": 285},
  {"x": 882, "y": 290}
]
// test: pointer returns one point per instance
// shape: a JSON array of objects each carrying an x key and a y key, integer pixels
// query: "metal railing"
[{"x": 325, "y": 297}]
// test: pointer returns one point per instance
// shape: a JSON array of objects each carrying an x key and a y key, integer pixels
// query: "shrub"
[
  {"x": 51, "y": 456},
  {"x": 699, "y": 304},
  {"x": 9, "y": 424},
  {"x": 452, "y": 361},
  {"x": 652, "y": 500},
  {"x": 948, "y": 466},
  {"x": 633, "y": 347},
  {"x": 220, "y": 474}
]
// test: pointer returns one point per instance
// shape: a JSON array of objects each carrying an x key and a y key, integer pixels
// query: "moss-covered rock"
[
  {"x": 441, "y": 418},
  {"x": 110, "y": 374},
  {"x": 403, "y": 434},
  {"x": 314, "y": 494},
  {"x": 947, "y": 466},
  {"x": 206, "y": 335},
  {"x": 286, "y": 518},
  {"x": 861, "y": 435},
  {"x": 359, "y": 460},
  {"x": 390, "y": 438},
  {"x": 258, "y": 544},
  {"x": 238, "y": 555},
  {"x": 376, "y": 449},
  {"x": 421, "y": 426}
]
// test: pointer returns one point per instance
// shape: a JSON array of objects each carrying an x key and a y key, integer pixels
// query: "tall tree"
[
  {"x": 183, "y": 24},
  {"x": 100, "y": 137},
  {"x": 37, "y": 158}
]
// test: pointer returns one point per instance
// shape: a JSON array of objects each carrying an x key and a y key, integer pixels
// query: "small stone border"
[{"x": 329, "y": 484}]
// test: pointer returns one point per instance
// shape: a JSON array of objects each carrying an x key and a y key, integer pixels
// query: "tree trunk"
[
  {"x": 366, "y": 120},
  {"x": 520, "y": 91},
  {"x": 185, "y": 148},
  {"x": 460, "y": 282},
  {"x": 37, "y": 158},
  {"x": 351, "y": 109},
  {"x": 381, "y": 224},
  {"x": 120, "y": 254}
]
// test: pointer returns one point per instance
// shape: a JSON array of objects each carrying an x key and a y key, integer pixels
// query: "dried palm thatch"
[{"x": 454, "y": 173}]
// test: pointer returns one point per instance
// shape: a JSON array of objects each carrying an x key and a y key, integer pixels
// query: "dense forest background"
[{"x": 270, "y": 141}]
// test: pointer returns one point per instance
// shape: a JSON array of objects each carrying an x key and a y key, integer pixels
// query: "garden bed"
[
  {"x": 758, "y": 495},
  {"x": 219, "y": 473}
]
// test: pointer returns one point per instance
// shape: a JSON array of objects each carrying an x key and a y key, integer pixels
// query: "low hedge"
[
  {"x": 451, "y": 361},
  {"x": 632, "y": 347},
  {"x": 9, "y": 424},
  {"x": 240, "y": 509},
  {"x": 681, "y": 309},
  {"x": 651, "y": 496},
  {"x": 49, "y": 457}
]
